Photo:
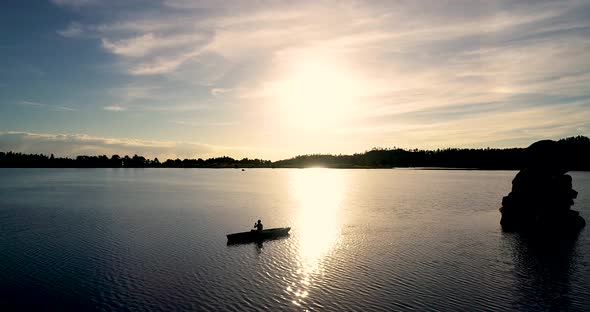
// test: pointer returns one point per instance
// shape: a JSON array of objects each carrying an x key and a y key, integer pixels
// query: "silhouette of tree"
[{"x": 116, "y": 161}]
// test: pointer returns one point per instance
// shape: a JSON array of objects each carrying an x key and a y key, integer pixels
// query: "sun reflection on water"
[{"x": 318, "y": 193}]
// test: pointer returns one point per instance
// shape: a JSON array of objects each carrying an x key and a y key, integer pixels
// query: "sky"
[{"x": 275, "y": 79}]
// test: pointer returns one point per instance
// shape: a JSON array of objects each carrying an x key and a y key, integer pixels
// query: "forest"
[{"x": 576, "y": 151}]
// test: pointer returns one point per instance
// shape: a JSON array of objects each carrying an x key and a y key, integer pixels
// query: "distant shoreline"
[
  {"x": 246, "y": 168},
  {"x": 575, "y": 150},
  {"x": 279, "y": 168},
  {"x": 249, "y": 168}
]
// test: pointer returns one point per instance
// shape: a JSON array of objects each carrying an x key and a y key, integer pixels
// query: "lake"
[{"x": 361, "y": 240}]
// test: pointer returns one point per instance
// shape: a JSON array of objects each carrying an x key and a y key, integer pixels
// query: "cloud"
[
  {"x": 73, "y": 3},
  {"x": 156, "y": 96},
  {"x": 203, "y": 124},
  {"x": 72, "y": 145},
  {"x": 205, "y": 4},
  {"x": 162, "y": 65},
  {"x": 481, "y": 126},
  {"x": 134, "y": 91},
  {"x": 31, "y": 103},
  {"x": 220, "y": 91},
  {"x": 148, "y": 43},
  {"x": 73, "y": 30},
  {"x": 114, "y": 108},
  {"x": 58, "y": 108},
  {"x": 63, "y": 109}
]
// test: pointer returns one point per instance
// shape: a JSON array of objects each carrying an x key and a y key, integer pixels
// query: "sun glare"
[
  {"x": 316, "y": 93},
  {"x": 319, "y": 193}
]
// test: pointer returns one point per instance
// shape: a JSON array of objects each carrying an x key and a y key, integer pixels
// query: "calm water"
[{"x": 151, "y": 239}]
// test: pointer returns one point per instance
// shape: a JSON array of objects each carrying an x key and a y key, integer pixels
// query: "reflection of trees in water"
[{"x": 543, "y": 268}]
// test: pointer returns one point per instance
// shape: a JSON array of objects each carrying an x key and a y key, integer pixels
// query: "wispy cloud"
[
  {"x": 31, "y": 103},
  {"x": 203, "y": 124},
  {"x": 64, "y": 108},
  {"x": 73, "y": 3},
  {"x": 220, "y": 91},
  {"x": 73, "y": 30},
  {"x": 58, "y": 108},
  {"x": 516, "y": 126},
  {"x": 114, "y": 108},
  {"x": 149, "y": 43},
  {"x": 80, "y": 144}
]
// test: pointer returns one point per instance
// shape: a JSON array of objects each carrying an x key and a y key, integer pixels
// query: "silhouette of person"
[{"x": 258, "y": 226}]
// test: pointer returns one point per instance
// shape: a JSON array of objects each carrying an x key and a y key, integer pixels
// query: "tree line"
[
  {"x": 576, "y": 151},
  {"x": 20, "y": 160}
]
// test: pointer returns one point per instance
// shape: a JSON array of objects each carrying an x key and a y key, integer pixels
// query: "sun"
[{"x": 316, "y": 93}]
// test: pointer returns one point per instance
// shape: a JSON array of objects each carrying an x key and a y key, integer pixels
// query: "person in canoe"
[{"x": 258, "y": 226}]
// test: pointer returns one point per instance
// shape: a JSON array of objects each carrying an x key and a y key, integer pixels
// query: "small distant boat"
[{"x": 255, "y": 236}]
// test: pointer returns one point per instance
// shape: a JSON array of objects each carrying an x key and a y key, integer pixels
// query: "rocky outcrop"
[{"x": 542, "y": 193}]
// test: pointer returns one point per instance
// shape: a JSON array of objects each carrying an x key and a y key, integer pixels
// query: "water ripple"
[{"x": 150, "y": 240}]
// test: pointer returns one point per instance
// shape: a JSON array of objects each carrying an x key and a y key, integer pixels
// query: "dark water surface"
[{"x": 383, "y": 240}]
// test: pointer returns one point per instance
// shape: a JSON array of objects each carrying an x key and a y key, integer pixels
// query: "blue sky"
[{"x": 273, "y": 79}]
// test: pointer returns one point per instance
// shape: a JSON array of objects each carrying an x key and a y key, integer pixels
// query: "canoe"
[{"x": 253, "y": 235}]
